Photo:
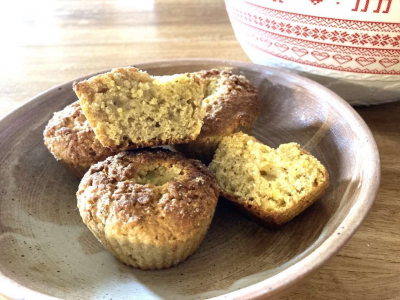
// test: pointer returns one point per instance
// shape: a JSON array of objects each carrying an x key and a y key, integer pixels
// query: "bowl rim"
[{"x": 304, "y": 267}]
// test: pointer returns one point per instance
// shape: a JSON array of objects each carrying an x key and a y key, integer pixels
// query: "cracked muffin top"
[
  {"x": 231, "y": 104},
  {"x": 230, "y": 101},
  {"x": 70, "y": 139},
  {"x": 155, "y": 195}
]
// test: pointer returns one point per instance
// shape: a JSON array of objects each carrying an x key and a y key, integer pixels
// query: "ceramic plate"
[{"x": 47, "y": 251}]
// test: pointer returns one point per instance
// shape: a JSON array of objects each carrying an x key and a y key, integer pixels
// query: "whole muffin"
[
  {"x": 71, "y": 140},
  {"x": 232, "y": 104},
  {"x": 150, "y": 208}
]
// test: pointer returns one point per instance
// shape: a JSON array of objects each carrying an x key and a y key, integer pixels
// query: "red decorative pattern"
[
  {"x": 320, "y": 55},
  {"x": 335, "y": 44},
  {"x": 386, "y": 62},
  {"x": 300, "y": 52},
  {"x": 318, "y": 34},
  {"x": 365, "y": 61},
  {"x": 377, "y": 10},
  {"x": 315, "y": 2},
  {"x": 332, "y": 67},
  {"x": 342, "y": 59},
  {"x": 266, "y": 36},
  {"x": 322, "y": 21},
  {"x": 282, "y": 47}
]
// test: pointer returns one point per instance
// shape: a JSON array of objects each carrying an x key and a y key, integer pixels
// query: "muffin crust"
[
  {"x": 71, "y": 140},
  {"x": 231, "y": 103},
  {"x": 150, "y": 208}
]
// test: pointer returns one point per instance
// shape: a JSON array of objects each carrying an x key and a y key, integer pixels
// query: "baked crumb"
[
  {"x": 273, "y": 184},
  {"x": 129, "y": 109}
]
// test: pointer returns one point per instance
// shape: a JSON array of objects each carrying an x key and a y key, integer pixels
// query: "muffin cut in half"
[
  {"x": 231, "y": 103},
  {"x": 71, "y": 140},
  {"x": 150, "y": 208},
  {"x": 270, "y": 185},
  {"x": 130, "y": 109}
]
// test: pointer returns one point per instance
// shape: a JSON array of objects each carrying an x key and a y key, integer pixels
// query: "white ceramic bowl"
[{"x": 351, "y": 47}]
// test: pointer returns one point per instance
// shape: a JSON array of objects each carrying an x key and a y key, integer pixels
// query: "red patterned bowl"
[{"x": 352, "y": 47}]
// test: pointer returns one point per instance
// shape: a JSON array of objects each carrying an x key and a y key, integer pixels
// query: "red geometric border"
[
  {"x": 325, "y": 66},
  {"x": 348, "y": 50},
  {"x": 320, "y": 34},
  {"x": 328, "y": 22}
]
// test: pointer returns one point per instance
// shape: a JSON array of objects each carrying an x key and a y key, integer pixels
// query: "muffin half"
[
  {"x": 272, "y": 186},
  {"x": 130, "y": 109},
  {"x": 150, "y": 208},
  {"x": 71, "y": 140},
  {"x": 231, "y": 103}
]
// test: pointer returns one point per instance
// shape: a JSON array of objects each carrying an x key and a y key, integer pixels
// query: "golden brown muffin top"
[
  {"x": 102, "y": 82},
  {"x": 70, "y": 138},
  {"x": 154, "y": 193},
  {"x": 231, "y": 101}
]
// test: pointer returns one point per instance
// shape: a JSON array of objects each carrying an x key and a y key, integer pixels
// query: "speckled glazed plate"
[{"x": 46, "y": 250}]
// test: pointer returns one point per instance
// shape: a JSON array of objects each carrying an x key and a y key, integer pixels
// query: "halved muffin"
[
  {"x": 71, "y": 140},
  {"x": 150, "y": 208},
  {"x": 130, "y": 109},
  {"x": 231, "y": 103},
  {"x": 270, "y": 185}
]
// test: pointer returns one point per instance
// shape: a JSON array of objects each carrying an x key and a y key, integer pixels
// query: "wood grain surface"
[{"x": 47, "y": 42}]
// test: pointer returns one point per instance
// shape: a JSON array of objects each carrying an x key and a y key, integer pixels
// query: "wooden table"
[{"x": 45, "y": 43}]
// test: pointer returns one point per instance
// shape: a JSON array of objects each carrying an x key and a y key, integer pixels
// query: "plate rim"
[{"x": 304, "y": 267}]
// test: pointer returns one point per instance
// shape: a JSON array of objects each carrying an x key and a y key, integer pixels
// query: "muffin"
[
  {"x": 231, "y": 103},
  {"x": 270, "y": 185},
  {"x": 129, "y": 109},
  {"x": 150, "y": 208},
  {"x": 71, "y": 140}
]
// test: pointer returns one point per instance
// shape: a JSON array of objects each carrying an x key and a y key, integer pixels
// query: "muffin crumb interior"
[
  {"x": 158, "y": 175},
  {"x": 273, "y": 179},
  {"x": 129, "y": 106}
]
